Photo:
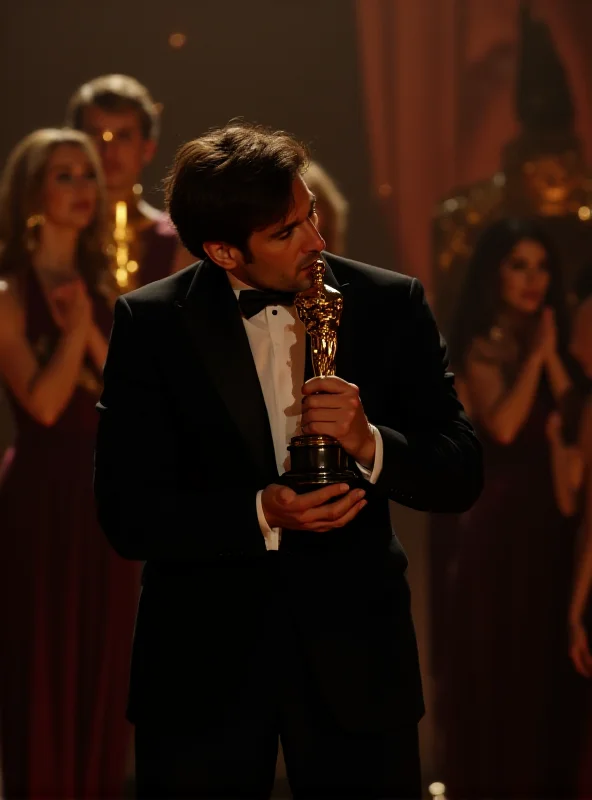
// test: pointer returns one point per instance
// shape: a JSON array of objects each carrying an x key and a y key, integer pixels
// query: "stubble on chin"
[{"x": 303, "y": 283}]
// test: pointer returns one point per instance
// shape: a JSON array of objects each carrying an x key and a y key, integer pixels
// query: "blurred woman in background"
[
  {"x": 570, "y": 437},
  {"x": 67, "y": 602},
  {"x": 332, "y": 207},
  {"x": 509, "y": 687}
]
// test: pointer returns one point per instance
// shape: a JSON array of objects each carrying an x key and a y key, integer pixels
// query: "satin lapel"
[
  {"x": 345, "y": 340},
  {"x": 211, "y": 316}
]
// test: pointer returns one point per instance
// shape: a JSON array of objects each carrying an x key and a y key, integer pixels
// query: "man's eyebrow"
[
  {"x": 285, "y": 229},
  {"x": 292, "y": 225}
]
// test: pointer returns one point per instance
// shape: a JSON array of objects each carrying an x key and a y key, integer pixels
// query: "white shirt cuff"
[
  {"x": 373, "y": 474},
  {"x": 271, "y": 535}
]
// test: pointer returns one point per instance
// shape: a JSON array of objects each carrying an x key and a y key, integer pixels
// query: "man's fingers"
[
  {"x": 319, "y": 497},
  {"x": 339, "y": 523},
  {"x": 333, "y": 511},
  {"x": 335, "y": 400},
  {"x": 333, "y": 429},
  {"x": 331, "y": 384},
  {"x": 286, "y": 496},
  {"x": 343, "y": 414}
]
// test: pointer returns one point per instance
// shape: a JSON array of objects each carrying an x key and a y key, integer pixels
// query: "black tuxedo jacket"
[{"x": 183, "y": 446}]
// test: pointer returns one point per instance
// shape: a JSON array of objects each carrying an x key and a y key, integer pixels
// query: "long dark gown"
[
  {"x": 67, "y": 601},
  {"x": 512, "y": 698}
]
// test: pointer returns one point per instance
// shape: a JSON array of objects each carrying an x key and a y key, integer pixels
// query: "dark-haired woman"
[{"x": 511, "y": 692}]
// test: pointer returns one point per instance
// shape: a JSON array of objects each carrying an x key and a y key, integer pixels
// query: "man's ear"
[{"x": 224, "y": 255}]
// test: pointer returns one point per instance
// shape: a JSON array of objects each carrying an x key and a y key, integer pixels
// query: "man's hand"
[
  {"x": 337, "y": 411},
  {"x": 283, "y": 508}
]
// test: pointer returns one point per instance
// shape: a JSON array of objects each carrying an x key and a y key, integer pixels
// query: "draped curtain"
[{"x": 438, "y": 80}]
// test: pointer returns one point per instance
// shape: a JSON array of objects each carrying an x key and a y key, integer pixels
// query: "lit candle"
[
  {"x": 122, "y": 250},
  {"x": 121, "y": 215}
]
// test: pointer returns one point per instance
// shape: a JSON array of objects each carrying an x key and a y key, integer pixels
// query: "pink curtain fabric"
[{"x": 439, "y": 91}]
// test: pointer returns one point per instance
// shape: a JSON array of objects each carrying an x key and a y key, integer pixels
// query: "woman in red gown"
[
  {"x": 570, "y": 436},
  {"x": 67, "y": 602},
  {"x": 512, "y": 700}
]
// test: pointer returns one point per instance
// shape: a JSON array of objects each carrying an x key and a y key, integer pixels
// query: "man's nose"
[{"x": 316, "y": 240}]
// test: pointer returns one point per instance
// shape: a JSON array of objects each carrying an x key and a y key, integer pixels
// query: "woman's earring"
[{"x": 34, "y": 222}]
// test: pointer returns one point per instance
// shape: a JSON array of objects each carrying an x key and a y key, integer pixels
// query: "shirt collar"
[{"x": 238, "y": 286}]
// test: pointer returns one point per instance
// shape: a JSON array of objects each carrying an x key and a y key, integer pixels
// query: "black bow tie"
[{"x": 252, "y": 301}]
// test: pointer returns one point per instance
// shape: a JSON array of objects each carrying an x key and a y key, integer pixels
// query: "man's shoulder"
[
  {"x": 361, "y": 275},
  {"x": 163, "y": 292}
]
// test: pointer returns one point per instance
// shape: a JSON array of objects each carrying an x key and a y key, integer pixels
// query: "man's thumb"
[{"x": 286, "y": 496}]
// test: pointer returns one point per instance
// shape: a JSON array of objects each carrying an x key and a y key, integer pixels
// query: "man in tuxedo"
[{"x": 266, "y": 614}]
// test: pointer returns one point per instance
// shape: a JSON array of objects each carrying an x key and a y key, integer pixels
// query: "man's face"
[
  {"x": 281, "y": 255},
  {"x": 124, "y": 151}
]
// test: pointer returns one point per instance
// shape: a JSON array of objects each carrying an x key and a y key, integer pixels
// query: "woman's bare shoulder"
[
  {"x": 485, "y": 350},
  {"x": 11, "y": 309}
]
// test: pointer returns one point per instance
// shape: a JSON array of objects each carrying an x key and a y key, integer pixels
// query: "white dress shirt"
[{"x": 278, "y": 344}]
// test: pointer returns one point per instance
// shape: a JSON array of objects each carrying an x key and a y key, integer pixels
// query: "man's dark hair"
[
  {"x": 231, "y": 182},
  {"x": 115, "y": 93}
]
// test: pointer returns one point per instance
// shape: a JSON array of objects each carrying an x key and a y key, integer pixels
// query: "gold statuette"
[
  {"x": 319, "y": 460},
  {"x": 320, "y": 309}
]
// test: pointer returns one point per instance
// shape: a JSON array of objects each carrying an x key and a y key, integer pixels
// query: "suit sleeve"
[
  {"x": 435, "y": 462},
  {"x": 144, "y": 505}
]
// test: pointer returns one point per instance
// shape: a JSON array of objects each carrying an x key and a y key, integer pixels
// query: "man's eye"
[
  {"x": 285, "y": 235},
  {"x": 63, "y": 177}
]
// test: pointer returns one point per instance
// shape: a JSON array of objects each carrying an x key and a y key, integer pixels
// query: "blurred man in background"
[{"x": 123, "y": 120}]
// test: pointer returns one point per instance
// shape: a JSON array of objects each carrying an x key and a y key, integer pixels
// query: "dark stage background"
[{"x": 287, "y": 63}]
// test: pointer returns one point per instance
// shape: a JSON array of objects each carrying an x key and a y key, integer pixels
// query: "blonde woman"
[{"x": 66, "y": 602}]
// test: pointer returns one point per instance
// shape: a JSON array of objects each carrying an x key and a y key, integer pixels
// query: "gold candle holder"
[{"x": 124, "y": 266}]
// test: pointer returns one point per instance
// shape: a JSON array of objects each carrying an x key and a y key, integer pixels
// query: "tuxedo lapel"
[
  {"x": 212, "y": 318},
  {"x": 345, "y": 340}
]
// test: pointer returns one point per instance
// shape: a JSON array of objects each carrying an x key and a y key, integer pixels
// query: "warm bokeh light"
[
  {"x": 177, "y": 40},
  {"x": 120, "y": 214},
  {"x": 107, "y": 136},
  {"x": 138, "y": 188},
  {"x": 121, "y": 277},
  {"x": 584, "y": 213},
  {"x": 132, "y": 266}
]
